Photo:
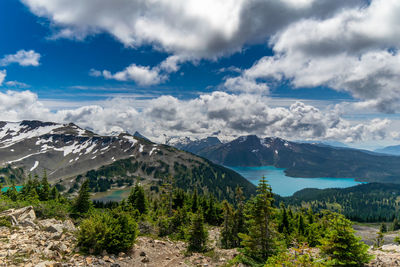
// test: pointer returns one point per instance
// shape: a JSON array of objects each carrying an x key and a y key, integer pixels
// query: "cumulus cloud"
[
  {"x": 229, "y": 115},
  {"x": 201, "y": 29},
  {"x": 22, "y": 57},
  {"x": 245, "y": 84},
  {"x": 3, "y": 74},
  {"x": 356, "y": 51},
  {"x": 142, "y": 75}
]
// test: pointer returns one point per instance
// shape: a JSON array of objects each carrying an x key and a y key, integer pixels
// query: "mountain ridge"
[
  {"x": 66, "y": 151},
  {"x": 304, "y": 159}
]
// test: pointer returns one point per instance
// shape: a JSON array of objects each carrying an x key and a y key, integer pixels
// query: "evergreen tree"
[
  {"x": 195, "y": 201},
  {"x": 284, "y": 221},
  {"x": 341, "y": 246},
  {"x": 197, "y": 234},
  {"x": 44, "y": 188},
  {"x": 260, "y": 241},
  {"x": 379, "y": 239},
  {"x": 383, "y": 228},
  {"x": 228, "y": 238},
  {"x": 83, "y": 203},
  {"x": 167, "y": 195},
  {"x": 12, "y": 192},
  {"x": 239, "y": 220},
  {"x": 301, "y": 225},
  {"x": 54, "y": 193},
  {"x": 138, "y": 199}
]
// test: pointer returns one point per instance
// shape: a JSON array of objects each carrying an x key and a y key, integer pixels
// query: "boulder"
[{"x": 23, "y": 216}]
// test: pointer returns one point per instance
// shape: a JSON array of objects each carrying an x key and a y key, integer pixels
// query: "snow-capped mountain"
[
  {"x": 65, "y": 151},
  {"x": 303, "y": 159}
]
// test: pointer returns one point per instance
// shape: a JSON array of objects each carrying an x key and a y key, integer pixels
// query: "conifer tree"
[
  {"x": 284, "y": 221},
  {"x": 341, "y": 246},
  {"x": 228, "y": 238},
  {"x": 195, "y": 201},
  {"x": 239, "y": 220},
  {"x": 197, "y": 234},
  {"x": 260, "y": 241},
  {"x": 54, "y": 193},
  {"x": 44, "y": 188},
  {"x": 12, "y": 192},
  {"x": 83, "y": 203},
  {"x": 301, "y": 225},
  {"x": 138, "y": 199},
  {"x": 383, "y": 228}
]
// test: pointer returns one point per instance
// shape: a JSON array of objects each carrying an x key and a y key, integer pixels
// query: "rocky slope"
[
  {"x": 65, "y": 151},
  {"x": 44, "y": 243},
  {"x": 303, "y": 159}
]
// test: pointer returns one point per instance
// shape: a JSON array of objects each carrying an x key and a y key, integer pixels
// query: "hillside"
[
  {"x": 66, "y": 151},
  {"x": 372, "y": 202},
  {"x": 305, "y": 160}
]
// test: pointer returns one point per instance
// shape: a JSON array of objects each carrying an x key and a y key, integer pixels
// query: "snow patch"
[
  {"x": 131, "y": 139},
  {"x": 34, "y": 165},
  {"x": 153, "y": 150}
]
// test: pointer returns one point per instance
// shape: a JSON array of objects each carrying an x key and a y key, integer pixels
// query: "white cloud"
[
  {"x": 355, "y": 51},
  {"x": 245, "y": 84},
  {"x": 3, "y": 74},
  {"x": 201, "y": 29},
  {"x": 230, "y": 115},
  {"x": 22, "y": 57},
  {"x": 142, "y": 75}
]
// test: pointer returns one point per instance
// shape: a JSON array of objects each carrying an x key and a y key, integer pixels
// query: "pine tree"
[
  {"x": 195, "y": 201},
  {"x": 301, "y": 225},
  {"x": 284, "y": 221},
  {"x": 44, "y": 188},
  {"x": 228, "y": 238},
  {"x": 12, "y": 192},
  {"x": 341, "y": 246},
  {"x": 83, "y": 203},
  {"x": 383, "y": 228},
  {"x": 54, "y": 193},
  {"x": 260, "y": 241},
  {"x": 138, "y": 199},
  {"x": 239, "y": 220},
  {"x": 197, "y": 234}
]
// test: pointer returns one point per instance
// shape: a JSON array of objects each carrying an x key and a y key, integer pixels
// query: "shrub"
[
  {"x": 5, "y": 222},
  {"x": 113, "y": 231}
]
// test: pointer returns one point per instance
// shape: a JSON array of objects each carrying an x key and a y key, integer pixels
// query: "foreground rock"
[
  {"x": 50, "y": 242},
  {"x": 387, "y": 255}
]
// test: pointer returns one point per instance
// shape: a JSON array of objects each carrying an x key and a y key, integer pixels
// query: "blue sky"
[{"x": 314, "y": 70}]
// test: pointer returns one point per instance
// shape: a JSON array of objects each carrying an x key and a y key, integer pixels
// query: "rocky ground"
[
  {"x": 45, "y": 243},
  {"x": 51, "y": 243}
]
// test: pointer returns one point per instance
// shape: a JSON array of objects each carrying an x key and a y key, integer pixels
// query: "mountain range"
[
  {"x": 299, "y": 159},
  {"x": 67, "y": 153},
  {"x": 391, "y": 150}
]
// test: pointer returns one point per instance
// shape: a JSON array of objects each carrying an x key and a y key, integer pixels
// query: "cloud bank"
[{"x": 229, "y": 115}]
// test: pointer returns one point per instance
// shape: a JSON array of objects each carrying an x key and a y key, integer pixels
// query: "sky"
[{"x": 295, "y": 69}]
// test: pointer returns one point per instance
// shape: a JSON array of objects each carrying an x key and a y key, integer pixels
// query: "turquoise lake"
[
  {"x": 286, "y": 186},
  {"x": 280, "y": 183}
]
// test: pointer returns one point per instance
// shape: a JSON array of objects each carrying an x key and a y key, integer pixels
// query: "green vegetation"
[
  {"x": 363, "y": 203},
  {"x": 113, "y": 231},
  {"x": 189, "y": 174},
  {"x": 264, "y": 234}
]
